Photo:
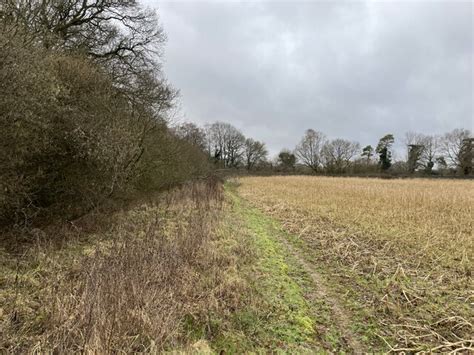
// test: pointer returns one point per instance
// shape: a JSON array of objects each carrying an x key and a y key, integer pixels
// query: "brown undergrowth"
[{"x": 152, "y": 280}]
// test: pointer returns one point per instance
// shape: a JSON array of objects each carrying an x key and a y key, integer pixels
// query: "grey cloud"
[{"x": 355, "y": 70}]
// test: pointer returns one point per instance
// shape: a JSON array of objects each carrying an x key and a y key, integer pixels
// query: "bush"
[
  {"x": 71, "y": 138},
  {"x": 169, "y": 160}
]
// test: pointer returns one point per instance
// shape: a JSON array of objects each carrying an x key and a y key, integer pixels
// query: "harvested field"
[{"x": 400, "y": 252}]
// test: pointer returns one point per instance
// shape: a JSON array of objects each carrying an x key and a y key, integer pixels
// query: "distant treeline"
[
  {"x": 227, "y": 148},
  {"x": 84, "y": 108}
]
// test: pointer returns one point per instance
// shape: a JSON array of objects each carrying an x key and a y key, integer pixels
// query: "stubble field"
[{"x": 397, "y": 253}]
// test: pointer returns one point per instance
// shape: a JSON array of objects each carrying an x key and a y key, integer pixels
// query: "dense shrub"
[
  {"x": 71, "y": 137},
  {"x": 169, "y": 160}
]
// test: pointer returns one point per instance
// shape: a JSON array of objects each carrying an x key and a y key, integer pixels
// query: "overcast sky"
[{"x": 351, "y": 69}]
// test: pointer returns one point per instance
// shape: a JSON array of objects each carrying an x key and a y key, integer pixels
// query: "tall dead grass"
[
  {"x": 151, "y": 282},
  {"x": 404, "y": 246}
]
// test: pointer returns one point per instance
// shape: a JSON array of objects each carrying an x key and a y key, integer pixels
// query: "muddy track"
[{"x": 320, "y": 291}]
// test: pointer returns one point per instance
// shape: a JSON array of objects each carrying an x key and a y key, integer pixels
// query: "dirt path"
[
  {"x": 327, "y": 311},
  {"x": 340, "y": 316}
]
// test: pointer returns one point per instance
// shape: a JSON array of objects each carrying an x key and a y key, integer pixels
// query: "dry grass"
[
  {"x": 405, "y": 247},
  {"x": 188, "y": 271},
  {"x": 152, "y": 281}
]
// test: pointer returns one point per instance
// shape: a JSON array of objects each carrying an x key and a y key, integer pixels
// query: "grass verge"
[
  {"x": 151, "y": 279},
  {"x": 282, "y": 313}
]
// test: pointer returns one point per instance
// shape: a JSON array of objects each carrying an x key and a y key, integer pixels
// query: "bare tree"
[
  {"x": 309, "y": 149},
  {"x": 192, "y": 133},
  {"x": 451, "y": 147},
  {"x": 412, "y": 138},
  {"x": 235, "y": 144},
  {"x": 415, "y": 152},
  {"x": 225, "y": 144},
  {"x": 430, "y": 152},
  {"x": 423, "y": 151},
  {"x": 216, "y": 140},
  {"x": 337, "y": 154},
  {"x": 118, "y": 33},
  {"x": 254, "y": 153}
]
